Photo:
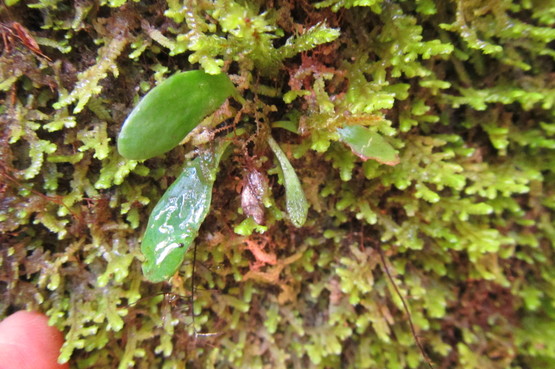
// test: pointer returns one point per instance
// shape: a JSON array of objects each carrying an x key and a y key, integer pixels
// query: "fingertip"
[{"x": 27, "y": 341}]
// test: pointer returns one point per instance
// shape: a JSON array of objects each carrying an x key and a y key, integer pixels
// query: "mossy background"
[{"x": 464, "y": 90}]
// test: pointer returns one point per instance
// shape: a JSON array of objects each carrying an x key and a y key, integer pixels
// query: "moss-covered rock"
[{"x": 463, "y": 91}]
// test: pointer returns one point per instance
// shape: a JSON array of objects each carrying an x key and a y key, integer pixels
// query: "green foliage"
[
  {"x": 339, "y": 4},
  {"x": 176, "y": 219},
  {"x": 461, "y": 91},
  {"x": 89, "y": 79},
  {"x": 295, "y": 200},
  {"x": 312, "y": 37},
  {"x": 170, "y": 111},
  {"x": 248, "y": 36},
  {"x": 368, "y": 145}
]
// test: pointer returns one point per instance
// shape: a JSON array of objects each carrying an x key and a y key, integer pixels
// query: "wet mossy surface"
[{"x": 463, "y": 91}]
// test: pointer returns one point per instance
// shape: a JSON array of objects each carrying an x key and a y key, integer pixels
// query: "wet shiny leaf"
[{"x": 176, "y": 219}]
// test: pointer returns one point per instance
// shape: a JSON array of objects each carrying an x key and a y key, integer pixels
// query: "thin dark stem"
[
  {"x": 193, "y": 288},
  {"x": 405, "y": 305}
]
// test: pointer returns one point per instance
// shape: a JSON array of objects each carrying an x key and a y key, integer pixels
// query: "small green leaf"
[
  {"x": 315, "y": 35},
  {"x": 170, "y": 111},
  {"x": 368, "y": 145},
  {"x": 248, "y": 227},
  {"x": 295, "y": 200},
  {"x": 176, "y": 219},
  {"x": 287, "y": 124}
]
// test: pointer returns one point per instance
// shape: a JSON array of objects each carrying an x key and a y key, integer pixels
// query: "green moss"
[{"x": 462, "y": 90}]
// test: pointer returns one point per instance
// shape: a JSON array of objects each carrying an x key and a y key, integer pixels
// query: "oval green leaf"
[
  {"x": 174, "y": 223},
  {"x": 295, "y": 200},
  {"x": 170, "y": 111},
  {"x": 368, "y": 145}
]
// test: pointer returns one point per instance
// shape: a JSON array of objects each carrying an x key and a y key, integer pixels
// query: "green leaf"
[
  {"x": 295, "y": 200},
  {"x": 368, "y": 145},
  {"x": 312, "y": 37},
  {"x": 170, "y": 111},
  {"x": 176, "y": 219},
  {"x": 288, "y": 125}
]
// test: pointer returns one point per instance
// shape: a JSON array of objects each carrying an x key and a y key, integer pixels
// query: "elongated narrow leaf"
[
  {"x": 170, "y": 111},
  {"x": 295, "y": 200},
  {"x": 174, "y": 223},
  {"x": 368, "y": 145}
]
